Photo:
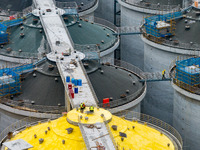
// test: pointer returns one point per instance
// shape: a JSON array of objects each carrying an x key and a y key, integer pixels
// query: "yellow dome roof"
[{"x": 139, "y": 136}]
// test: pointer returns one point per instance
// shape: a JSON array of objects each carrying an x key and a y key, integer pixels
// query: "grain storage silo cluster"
[
  {"x": 32, "y": 90},
  {"x": 166, "y": 37},
  {"x": 152, "y": 33},
  {"x": 132, "y": 14}
]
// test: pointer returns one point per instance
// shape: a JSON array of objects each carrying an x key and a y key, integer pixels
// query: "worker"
[
  {"x": 91, "y": 109},
  {"x": 163, "y": 74},
  {"x": 82, "y": 106}
]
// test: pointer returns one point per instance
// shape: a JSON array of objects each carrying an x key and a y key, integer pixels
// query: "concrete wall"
[
  {"x": 159, "y": 98},
  {"x": 110, "y": 55},
  {"x": 132, "y": 47},
  {"x": 186, "y": 119},
  {"x": 105, "y": 10},
  {"x": 136, "y": 108},
  {"x": 7, "y": 119},
  {"x": 186, "y": 3},
  {"x": 90, "y": 12}
]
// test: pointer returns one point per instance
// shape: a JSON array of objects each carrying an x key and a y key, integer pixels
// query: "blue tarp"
[
  {"x": 11, "y": 23},
  {"x": 3, "y": 29},
  {"x": 10, "y": 79},
  {"x": 188, "y": 71},
  {"x": 3, "y": 37},
  {"x": 151, "y": 22}
]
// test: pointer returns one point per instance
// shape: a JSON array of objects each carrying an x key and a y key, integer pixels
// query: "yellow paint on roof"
[
  {"x": 92, "y": 118},
  {"x": 142, "y": 137},
  {"x": 53, "y": 138}
]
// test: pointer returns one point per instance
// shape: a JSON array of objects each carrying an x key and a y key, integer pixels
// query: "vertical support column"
[
  {"x": 67, "y": 102},
  {"x": 115, "y": 12}
]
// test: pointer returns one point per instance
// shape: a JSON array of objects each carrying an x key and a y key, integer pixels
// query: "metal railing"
[
  {"x": 172, "y": 68},
  {"x": 16, "y": 14},
  {"x": 130, "y": 68},
  {"x": 27, "y": 106},
  {"x": 28, "y": 10},
  {"x": 128, "y": 29},
  {"x": 124, "y": 65},
  {"x": 64, "y": 5},
  {"x": 87, "y": 6},
  {"x": 80, "y": 8},
  {"x": 83, "y": 134},
  {"x": 18, "y": 54},
  {"x": 45, "y": 30},
  {"x": 20, "y": 125},
  {"x": 89, "y": 83},
  {"x": 94, "y": 47},
  {"x": 122, "y": 101},
  {"x": 163, "y": 127},
  {"x": 67, "y": 31},
  {"x": 110, "y": 133},
  {"x": 100, "y": 47},
  {"x": 86, "y": 48},
  {"x": 155, "y": 123},
  {"x": 178, "y": 44},
  {"x": 100, "y": 21},
  {"x": 153, "y": 6},
  {"x": 194, "y": 47}
]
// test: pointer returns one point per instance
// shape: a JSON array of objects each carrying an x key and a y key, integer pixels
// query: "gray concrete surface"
[
  {"x": 159, "y": 98},
  {"x": 7, "y": 119},
  {"x": 186, "y": 119},
  {"x": 132, "y": 47},
  {"x": 105, "y": 10}
]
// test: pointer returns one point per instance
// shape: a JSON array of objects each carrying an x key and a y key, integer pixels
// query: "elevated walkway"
[
  {"x": 128, "y": 30},
  {"x": 96, "y": 136},
  {"x": 67, "y": 60},
  {"x": 94, "y": 127},
  {"x": 70, "y": 67},
  {"x": 155, "y": 76}
]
